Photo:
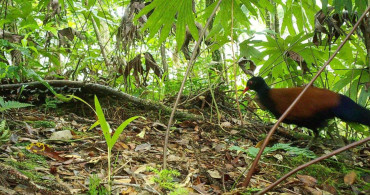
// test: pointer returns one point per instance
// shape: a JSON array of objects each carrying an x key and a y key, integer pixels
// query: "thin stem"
[
  {"x": 188, "y": 68},
  {"x": 109, "y": 183},
  {"x": 234, "y": 62}
]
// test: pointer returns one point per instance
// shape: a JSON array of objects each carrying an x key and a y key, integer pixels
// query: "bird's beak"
[{"x": 246, "y": 89}]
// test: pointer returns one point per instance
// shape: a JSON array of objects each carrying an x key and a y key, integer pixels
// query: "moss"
[
  {"x": 36, "y": 158},
  {"x": 22, "y": 144},
  {"x": 29, "y": 164},
  {"x": 45, "y": 124}
]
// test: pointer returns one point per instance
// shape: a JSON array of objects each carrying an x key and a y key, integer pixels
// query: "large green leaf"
[{"x": 165, "y": 14}]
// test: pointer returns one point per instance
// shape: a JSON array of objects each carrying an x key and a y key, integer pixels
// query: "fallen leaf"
[
  {"x": 159, "y": 126},
  {"x": 220, "y": 147},
  {"x": 313, "y": 191},
  {"x": 205, "y": 148},
  {"x": 214, "y": 174},
  {"x": 259, "y": 144},
  {"x": 29, "y": 129},
  {"x": 141, "y": 134},
  {"x": 329, "y": 189},
  {"x": 122, "y": 181},
  {"x": 119, "y": 146},
  {"x": 307, "y": 180},
  {"x": 129, "y": 191},
  {"x": 45, "y": 150},
  {"x": 200, "y": 188},
  {"x": 61, "y": 135},
  {"x": 173, "y": 158},
  {"x": 279, "y": 157},
  {"x": 226, "y": 124},
  {"x": 143, "y": 147},
  {"x": 229, "y": 166},
  {"x": 350, "y": 178},
  {"x": 188, "y": 123},
  {"x": 141, "y": 169},
  {"x": 234, "y": 132}
]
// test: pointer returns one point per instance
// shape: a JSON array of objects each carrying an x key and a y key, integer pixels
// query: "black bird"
[{"x": 314, "y": 108}]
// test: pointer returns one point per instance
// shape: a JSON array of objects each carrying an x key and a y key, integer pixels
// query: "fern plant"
[
  {"x": 95, "y": 186},
  {"x": 7, "y": 105},
  {"x": 4, "y": 132},
  {"x": 164, "y": 178}
]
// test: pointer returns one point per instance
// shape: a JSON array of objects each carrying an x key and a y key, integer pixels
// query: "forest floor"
[{"x": 52, "y": 151}]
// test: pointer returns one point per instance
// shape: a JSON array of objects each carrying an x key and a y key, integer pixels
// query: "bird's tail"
[{"x": 349, "y": 111}]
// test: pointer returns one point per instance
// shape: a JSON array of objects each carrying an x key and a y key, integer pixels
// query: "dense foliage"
[{"x": 142, "y": 47}]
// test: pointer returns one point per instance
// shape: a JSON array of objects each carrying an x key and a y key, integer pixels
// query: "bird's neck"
[
  {"x": 264, "y": 97},
  {"x": 262, "y": 91}
]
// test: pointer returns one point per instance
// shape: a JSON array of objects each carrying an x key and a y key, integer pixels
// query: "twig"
[
  {"x": 102, "y": 48},
  {"x": 188, "y": 68},
  {"x": 312, "y": 162}
]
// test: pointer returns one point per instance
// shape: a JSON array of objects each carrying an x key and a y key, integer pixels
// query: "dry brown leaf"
[
  {"x": 226, "y": 124},
  {"x": 307, "y": 180},
  {"x": 143, "y": 147},
  {"x": 200, "y": 188},
  {"x": 350, "y": 178},
  {"x": 234, "y": 132},
  {"x": 174, "y": 158},
  {"x": 119, "y": 146},
  {"x": 329, "y": 189},
  {"x": 229, "y": 166},
  {"x": 214, "y": 174},
  {"x": 122, "y": 181},
  {"x": 259, "y": 144},
  {"x": 129, "y": 191},
  {"x": 45, "y": 150},
  {"x": 313, "y": 191}
]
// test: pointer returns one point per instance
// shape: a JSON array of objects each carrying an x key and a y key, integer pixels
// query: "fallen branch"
[{"x": 106, "y": 91}]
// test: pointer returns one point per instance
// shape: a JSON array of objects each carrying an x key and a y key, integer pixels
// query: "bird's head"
[{"x": 255, "y": 83}]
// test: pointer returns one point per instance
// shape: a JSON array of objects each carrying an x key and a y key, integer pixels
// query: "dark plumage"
[{"x": 314, "y": 108}]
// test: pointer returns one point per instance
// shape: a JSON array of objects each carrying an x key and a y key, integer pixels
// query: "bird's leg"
[{"x": 314, "y": 139}]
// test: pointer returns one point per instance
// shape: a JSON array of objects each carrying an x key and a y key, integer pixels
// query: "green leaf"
[
  {"x": 181, "y": 25},
  {"x": 348, "y": 6},
  {"x": 239, "y": 14},
  {"x": 338, "y": 6},
  {"x": 250, "y": 7},
  {"x": 297, "y": 12},
  {"x": 267, "y": 4},
  {"x": 364, "y": 96},
  {"x": 324, "y": 6},
  {"x": 361, "y": 6},
  {"x": 149, "y": 8},
  {"x": 103, "y": 123},
  {"x": 119, "y": 130},
  {"x": 190, "y": 21},
  {"x": 80, "y": 99},
  {"x": 249, "y": 51},
  {"x": 95, "y": 124}
]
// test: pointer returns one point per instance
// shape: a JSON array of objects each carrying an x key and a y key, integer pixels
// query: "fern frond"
[
  {"x": 6, "y": 105},
  {"x": 4, "y": 133}
]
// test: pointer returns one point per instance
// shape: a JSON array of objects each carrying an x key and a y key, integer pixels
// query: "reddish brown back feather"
[{"x": 313, "y": 101}]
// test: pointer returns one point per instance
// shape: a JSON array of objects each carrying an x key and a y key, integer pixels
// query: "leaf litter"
[{"x": 199, "y": 150}]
